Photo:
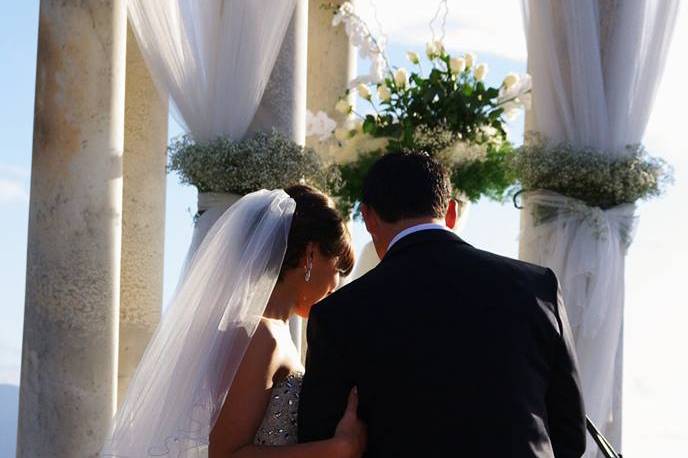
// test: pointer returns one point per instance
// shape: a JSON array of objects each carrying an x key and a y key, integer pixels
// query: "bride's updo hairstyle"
[{"x": 317, "y": 220}]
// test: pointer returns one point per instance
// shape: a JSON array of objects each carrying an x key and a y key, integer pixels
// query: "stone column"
[
  {"x": 331, "y": 66},
  {"x": 331, "y": 62},
  {"x": 69, "y": 359},
  {"x": 283, "y": 106},
  {"x": 143, "y": 218}
]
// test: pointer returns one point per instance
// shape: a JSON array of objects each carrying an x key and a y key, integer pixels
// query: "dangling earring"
[{"x": 309, "y": 268}]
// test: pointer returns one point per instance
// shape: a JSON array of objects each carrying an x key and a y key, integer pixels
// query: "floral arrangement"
[
  {"x": 447, "y": 111},
  {"x": 267, "y": 160},
  {"x": 593, "y": 177}
]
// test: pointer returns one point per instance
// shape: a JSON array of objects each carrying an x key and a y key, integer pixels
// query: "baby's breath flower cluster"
[
  {"x": 449, "y": 147},
  {"x": 594, "y": 177},
  {"x": 267, "y": 160}
]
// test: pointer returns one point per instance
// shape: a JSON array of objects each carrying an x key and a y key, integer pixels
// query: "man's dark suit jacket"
[{"x": 456, "y": 352}]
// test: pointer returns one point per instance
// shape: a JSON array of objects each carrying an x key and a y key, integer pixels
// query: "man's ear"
[
  {"x": 452, "y": 216},
  {"x": 369, "y": 218}
]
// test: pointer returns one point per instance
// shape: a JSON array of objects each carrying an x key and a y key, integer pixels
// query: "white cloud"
[
  {"x": 13, "y": 184},
  {"x": 12, "y": 192},
  {"x": 13, "y": 170},
  {"x": 9, "y": 375},
  {"x": 471, "y": 25}
]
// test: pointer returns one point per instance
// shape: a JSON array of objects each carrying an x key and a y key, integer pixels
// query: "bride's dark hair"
[{"x": 317, "y": 220}]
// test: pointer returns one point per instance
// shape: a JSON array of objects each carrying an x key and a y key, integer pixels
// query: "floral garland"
[
  {"x": 591, "y": 176},
  {"x": 267, "y": 160},
  {"x": 448, "y": 112}
]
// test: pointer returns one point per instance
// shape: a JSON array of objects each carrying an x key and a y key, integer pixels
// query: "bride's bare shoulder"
[
  {"x": 263, "y": 349},
  {"x": 266, "y": 356}
]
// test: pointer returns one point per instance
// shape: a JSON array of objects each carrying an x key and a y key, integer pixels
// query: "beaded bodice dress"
[{"x": 279, "y": 424}]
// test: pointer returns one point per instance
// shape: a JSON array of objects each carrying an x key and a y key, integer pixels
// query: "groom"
[{"x": 456, "y": 352}]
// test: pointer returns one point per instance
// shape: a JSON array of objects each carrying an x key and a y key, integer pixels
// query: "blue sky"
[{"x": 656, "y": 398}]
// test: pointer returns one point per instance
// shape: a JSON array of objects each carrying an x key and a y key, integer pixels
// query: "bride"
[{"x": 221, "y": 376}]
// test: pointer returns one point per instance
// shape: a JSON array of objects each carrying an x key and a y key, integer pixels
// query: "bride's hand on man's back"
[{"x": 351, "y": 431}]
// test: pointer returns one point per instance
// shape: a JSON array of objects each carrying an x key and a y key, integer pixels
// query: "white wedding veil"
[{"x": 181, "y": 383}]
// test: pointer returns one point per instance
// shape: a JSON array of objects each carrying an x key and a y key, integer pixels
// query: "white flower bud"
[
  {"x": 510, "y": 80},
  {"x": 480, "y": 72},
  {"x": 363, "y": 91},
  {"x": 430, "y": 50},
  {"x": 457, "y": 65},
  {"x": 434, "y": 49},
  {"x": 343, "y": 106},
  {"x": 470, "y": 59},
  {"x": 384, "y": 93},
  {"x": 413, "y": 57},
  {"x": 401, "y": 77}
]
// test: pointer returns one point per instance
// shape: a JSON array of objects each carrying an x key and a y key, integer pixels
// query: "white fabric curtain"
[
  {"x": 213, "y": 57},
  {"x": 596, "y": 65}
]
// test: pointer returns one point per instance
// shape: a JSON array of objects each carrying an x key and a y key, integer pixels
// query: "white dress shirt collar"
[{"x": 417, "y": 228}]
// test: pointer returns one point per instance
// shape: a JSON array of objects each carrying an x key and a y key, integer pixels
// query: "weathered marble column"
[
  {"x": 331, "y": 62},
  {"x": 283, "y": 106},
  {"x": 143, "y": 218},
  {"x": 69, "y": 360}
]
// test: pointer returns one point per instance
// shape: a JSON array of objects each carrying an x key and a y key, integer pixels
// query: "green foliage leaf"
[{"x": 456, "y": 109}]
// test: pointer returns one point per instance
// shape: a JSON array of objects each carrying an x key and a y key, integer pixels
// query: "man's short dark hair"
[{"x": 407, "y": 185}]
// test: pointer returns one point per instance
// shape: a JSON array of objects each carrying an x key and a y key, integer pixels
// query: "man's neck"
[{"x": 402, "y": 225}]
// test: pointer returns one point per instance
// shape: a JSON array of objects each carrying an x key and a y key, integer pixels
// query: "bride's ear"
[
  {"x": 452, "y": 216},
  {"x": 309, "y": 254}
]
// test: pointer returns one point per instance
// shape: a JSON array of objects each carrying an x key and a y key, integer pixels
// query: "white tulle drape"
[
  {"x": 181, "y": 383},
  {"x": 596, "y": 65},
  {"x": 213, "y": 57}
]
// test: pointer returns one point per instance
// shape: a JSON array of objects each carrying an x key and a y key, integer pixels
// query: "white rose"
[
  {"x": 510, "y": 80},
  {"x": 384, "y": 93},
  {"x": 363, "y": 91},
  {"x": 343, "y": 106},
  {"x": 457, "y": 65},
  {"x": 401, "y": 77},
  {"x": 470, "y": 59},
  {"x": 413, "y": 57},
  {"x": 434, "y": 49},
  {"x": 480, "y": 72},
  {"x": 430, "y": 50},
  {"x": 439, "y": 46}
]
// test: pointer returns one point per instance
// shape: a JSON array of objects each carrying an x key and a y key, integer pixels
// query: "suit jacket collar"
[{"x": 422, "y": 237}]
